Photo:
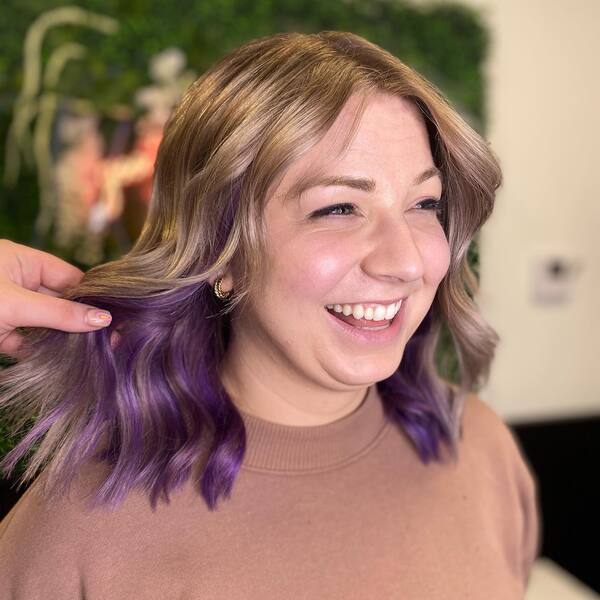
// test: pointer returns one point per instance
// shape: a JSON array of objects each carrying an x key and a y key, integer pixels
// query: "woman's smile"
[
  {"x": 365, "y": 312},
  {"x": 368, "y": 331}
]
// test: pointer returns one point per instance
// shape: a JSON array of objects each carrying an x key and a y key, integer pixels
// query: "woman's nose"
[{"x": 395, "y": 252}]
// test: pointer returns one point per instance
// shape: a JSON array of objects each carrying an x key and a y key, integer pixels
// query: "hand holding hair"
[{"x": 30, "y": 282}]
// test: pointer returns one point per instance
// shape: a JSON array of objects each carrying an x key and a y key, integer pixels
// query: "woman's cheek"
[
  {"x": 436, "y": 255},
  {"x": 317, "y": 270}
]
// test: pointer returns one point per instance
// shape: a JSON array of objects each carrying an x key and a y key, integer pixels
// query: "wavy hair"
[{"x": 151, "y": 407}]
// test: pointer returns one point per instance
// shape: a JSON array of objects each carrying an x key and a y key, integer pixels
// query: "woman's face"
[{"x": 389, "y": 246}]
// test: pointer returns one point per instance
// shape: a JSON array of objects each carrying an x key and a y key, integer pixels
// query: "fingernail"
[{"x": 98, "y": 317}]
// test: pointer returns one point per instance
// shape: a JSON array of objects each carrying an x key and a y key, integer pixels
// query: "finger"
[
  {"x": 57, "y": 274},
  {"x": 11, "y": 344},
  {"x": 39, "y": 268},
  {"x": 32, "y": 309},
  {"x": 44, "y": 290}
]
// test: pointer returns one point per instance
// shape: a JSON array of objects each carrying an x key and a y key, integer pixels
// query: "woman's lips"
[
  {"x": 359, "y": 322},
  {"x": 372, "y": 332}
]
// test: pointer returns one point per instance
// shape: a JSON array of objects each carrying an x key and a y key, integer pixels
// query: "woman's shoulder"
[
  {"x": 61, "y": 516},
  {"x": 52, "y": 544},
  {"x": 39, "y": 514},
  {"x": 481, "y": 410},
  {"x": 481, "y": 424},
  {"x": 488, "y": 441},
  {"x": 44, "y": 538},
  {"x": 37, "y": 548},
  {"x": 484, "y": 431}
]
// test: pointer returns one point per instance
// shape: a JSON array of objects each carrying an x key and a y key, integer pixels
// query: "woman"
[{"x": 281, "y": 431}]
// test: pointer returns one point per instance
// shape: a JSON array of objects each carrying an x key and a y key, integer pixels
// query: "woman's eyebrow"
[{"x": 364, "y": 184}]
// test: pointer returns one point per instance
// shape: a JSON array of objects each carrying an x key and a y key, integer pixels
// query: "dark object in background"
[
  {"x": 564, "y": 455},
  {"x": 8, "y": 496}
]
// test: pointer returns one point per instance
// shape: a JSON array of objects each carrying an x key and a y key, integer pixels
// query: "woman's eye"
[
  {"x": 333, "y": 210},
  {"x": 432, "y": 204}
]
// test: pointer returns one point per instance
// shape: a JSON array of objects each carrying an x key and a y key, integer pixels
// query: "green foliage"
[{"x": 445, "y": 42}]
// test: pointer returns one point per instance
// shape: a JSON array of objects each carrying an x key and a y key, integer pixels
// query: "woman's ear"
[{"x": 226, "y": 283}]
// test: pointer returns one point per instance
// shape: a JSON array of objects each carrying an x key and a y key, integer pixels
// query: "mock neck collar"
[{"x": 290, "y": 449}]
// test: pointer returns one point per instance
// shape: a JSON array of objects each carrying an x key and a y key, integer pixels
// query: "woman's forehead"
[{"x": 348, "y": 142}]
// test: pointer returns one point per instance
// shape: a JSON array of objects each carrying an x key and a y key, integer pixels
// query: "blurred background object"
[
  {"x": 81, "y": 176},
  {"x": 85, "y": 91}
]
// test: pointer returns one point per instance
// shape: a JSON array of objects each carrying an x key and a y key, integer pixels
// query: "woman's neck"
[{"x": 284, "y": 400}]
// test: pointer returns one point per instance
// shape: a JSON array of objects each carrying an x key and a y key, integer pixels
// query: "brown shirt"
[{"x": 338, "y": 511}]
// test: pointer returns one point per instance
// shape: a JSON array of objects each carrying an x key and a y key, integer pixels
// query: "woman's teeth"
[{"x": 376, "y": 312}]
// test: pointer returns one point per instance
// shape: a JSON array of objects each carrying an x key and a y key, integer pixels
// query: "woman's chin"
[{"x": 366, "y": 372}]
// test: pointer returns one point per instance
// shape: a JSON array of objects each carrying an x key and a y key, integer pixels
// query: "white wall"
[{"x": 544, "y": 125}]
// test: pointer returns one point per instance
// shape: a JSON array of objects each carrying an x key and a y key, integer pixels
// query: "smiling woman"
[{"x": 268, "y": 341}]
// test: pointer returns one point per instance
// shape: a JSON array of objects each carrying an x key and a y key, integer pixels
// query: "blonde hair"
[{"x": 143, "y": 406}]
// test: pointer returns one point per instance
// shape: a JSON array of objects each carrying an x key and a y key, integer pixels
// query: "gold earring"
[{"x": 219, "y": 293}]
